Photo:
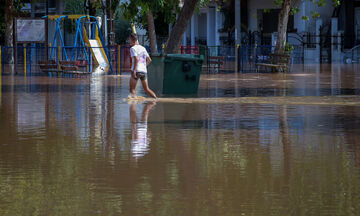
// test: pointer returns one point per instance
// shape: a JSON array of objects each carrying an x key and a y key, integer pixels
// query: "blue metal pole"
[
  {"x": 30, "y": 59},
  {"x": 63, "y": 46},
  {"x": 76, "y": 38},
  {"x": 93, "y": 31},
  {"x": 61, "y": 38},
  {"x": 83, "y": 43},
  {"x": 54, "y": 41}
]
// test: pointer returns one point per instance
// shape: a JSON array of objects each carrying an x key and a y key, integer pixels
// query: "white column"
[
  {"x": 196, "y": 26},
  {"x": 317, "y": 32},
  {"x": 299, "y": 22},
  {"x": 184, "y": 38},
  {"x": 217, "y": 26},
  {"x": 208, "y": 27},
  {"x": 211, "y": 26},
  {"x": 192, "y": 32},
  {"x": 339, "y": 37},
  {"x": 334, "y": 46},
  {"x": 237, "y": 22}
]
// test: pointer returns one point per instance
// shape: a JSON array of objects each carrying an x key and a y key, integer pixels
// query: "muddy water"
[
  {"x": 76, "y": 147},
  {"x": 303, "y": 80}
]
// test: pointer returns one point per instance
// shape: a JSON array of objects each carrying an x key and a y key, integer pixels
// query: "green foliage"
[
  {"x": 137, "y": 10},
  {"x": 319, "y": 3},
  {"x": 122, "y": 28},
  {"x": 315, "y": 14},
  {"x": 74, "y": 7},
  {"x": 306, "y": 18},
  {"x": 288, "y": 48},
  {"x": 18, "y": 4},
  {"x": 336, "y": 3},
  {"x": 278, "y": 2},
  {"x": 164, "y": 13},
  {"x": 96, "y": 3},
  {"x": 294, "y": 10}
]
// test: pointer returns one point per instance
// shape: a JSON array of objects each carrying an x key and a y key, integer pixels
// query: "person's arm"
[
  {"x": 148, "y": 61},
  {"x": 136, "y": 60}
]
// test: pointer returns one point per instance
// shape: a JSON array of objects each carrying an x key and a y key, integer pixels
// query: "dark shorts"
[{"x": 140, "y": 75}]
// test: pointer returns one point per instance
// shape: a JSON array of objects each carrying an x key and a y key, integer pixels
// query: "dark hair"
[{"x": 133, "y": 37}]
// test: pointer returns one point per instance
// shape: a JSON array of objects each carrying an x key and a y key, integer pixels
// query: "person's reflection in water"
[{"x": 140, "y": 135}]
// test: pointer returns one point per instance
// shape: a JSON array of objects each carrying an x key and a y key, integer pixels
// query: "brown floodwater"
[{"x": 247, "y": 144}]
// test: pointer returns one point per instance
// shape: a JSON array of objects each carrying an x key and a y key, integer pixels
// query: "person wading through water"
[{"x": 140, "y": 60}]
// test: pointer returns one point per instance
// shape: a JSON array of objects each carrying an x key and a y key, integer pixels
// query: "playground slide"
[{"x": 98, "y": 54}]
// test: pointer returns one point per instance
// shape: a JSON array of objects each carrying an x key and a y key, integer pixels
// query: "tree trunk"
[
  {"x": 177, "y": 32},
  {"x": 92, "y": 8},
  {"x": 152, "y": 33},
  {"x": 9, "y": 31},
  {"x": 282, "y": 26}
]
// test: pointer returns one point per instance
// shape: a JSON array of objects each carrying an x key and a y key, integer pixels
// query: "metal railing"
[
  {"x": 240, "y": 58},
  {"x": 28, "y": 57}
]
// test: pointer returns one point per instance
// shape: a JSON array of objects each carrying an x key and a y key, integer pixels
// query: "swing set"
[{"x": 88, "y": 55}]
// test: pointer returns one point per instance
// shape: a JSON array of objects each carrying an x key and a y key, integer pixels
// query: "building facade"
[{"x": 255, "y": 21}]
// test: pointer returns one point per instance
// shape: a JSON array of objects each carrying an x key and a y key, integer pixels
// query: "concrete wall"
[
  {"x": 325, "y": 14},
  {"x": 211, "y": 26}
]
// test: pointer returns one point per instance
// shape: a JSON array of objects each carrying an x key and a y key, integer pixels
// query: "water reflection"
[
  {"x": 141, "y": 137},
  {"x": 303, "y": 80},
  {"x": 68, "y": 147}
]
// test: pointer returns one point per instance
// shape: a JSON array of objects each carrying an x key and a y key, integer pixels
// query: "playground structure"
[{"x": 87, "y": 55}]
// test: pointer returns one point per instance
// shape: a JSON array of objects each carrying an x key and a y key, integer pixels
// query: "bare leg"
[
  {"x": 147, "y": 108},
  {"x": 146, "y": 88},
  {"x": 133, "y": 117},
  {"x": 133, "y": 83}
]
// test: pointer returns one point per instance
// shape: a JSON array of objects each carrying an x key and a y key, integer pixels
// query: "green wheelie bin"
[{"x": 175, "y": 74}]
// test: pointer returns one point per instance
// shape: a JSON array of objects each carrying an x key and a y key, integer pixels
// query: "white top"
[
  {"x": 142, "y": 54},
  {"x": 140, "y": 140}
]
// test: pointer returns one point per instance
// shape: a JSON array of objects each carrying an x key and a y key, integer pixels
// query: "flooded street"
[{"x": 247, "y": 144}]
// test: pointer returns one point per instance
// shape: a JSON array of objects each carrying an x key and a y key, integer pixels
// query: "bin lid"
[{"x": 185, "y": 57}]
